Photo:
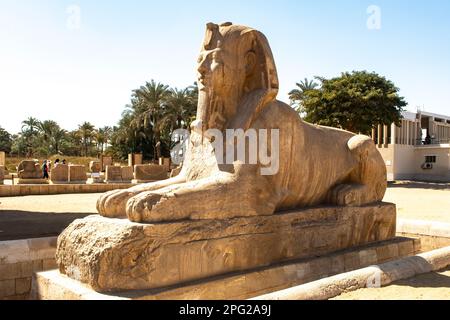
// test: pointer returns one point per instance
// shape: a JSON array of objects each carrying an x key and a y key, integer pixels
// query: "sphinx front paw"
[
  {"x": 141, "y": 208},
  {"x": 113, "y": 203},
  {"x": 346, "y": 195}
]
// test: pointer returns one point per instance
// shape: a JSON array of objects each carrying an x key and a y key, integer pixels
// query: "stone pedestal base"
[
  {"x": 32, "y": 181},
  {"x": 52, "y": 285},
  {"x": 115, "y": 254}
]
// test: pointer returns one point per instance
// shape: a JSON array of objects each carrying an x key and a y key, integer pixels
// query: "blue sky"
[{"x": 51, "y": 71}]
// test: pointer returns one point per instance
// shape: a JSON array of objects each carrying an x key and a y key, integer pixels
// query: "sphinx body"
[{"x": 238, "y": 85}]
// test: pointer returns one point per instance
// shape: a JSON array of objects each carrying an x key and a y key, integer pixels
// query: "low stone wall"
[
  {"x": 433, "y": 234},
  {"x": 19, "y": 259},
  {"x": 46, "y": 189}
]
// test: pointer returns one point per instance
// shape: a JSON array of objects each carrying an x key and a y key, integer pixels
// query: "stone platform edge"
[
  {"x": 19, "y": 259},
  {"x": 50, "y": 189},
  {"x": 373, "y": 276},
  {"x": 53, "y": 285}
]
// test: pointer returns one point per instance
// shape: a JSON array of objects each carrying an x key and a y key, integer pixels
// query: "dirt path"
[{"x": 42, "y": 216}]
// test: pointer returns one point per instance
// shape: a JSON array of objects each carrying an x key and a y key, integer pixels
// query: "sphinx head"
[{"x": 235, "y": 63}]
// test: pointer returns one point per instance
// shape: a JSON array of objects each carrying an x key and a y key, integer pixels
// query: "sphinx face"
[
  {"x": 219, "y": 80},
  {"x": 218, "y": 85},
  {"x": 234, "y": 63}
]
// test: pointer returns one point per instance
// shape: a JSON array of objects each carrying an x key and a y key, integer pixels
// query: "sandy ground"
[
  {"x": 421, "y": 201},
  {"x": 34, "y": 216},
  {"x": 430, "y": 286},
  {"x": 42, "y": 216}
]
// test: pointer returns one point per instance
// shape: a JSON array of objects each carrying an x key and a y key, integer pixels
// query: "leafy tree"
[
  {"x": 356, "y": 101},
  {"x": 19, "y": 145},
  {"x": 71, "y": 145},
  {"x": 5, "y": 141}
]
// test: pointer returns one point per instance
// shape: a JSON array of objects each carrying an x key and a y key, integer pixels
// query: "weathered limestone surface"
[
  {"x": 2, "y": 174},
  {"x": 215, "y": 218},
  {"x": 175, "y": 172},
  {"x": 238, "y": 86},
  {"x": 113, "y": 174},
  {"x": 134, "y": 159},
  {"x": 106, "y": 161},
  {"x": 77, "y": 174},
  {"x": 29, "y": 169},
  {"x": 60, "y": 174},
  {"x": 116, "y": 254},
  {"x": 166, "y": 162},
  {"x": 2, "y": 158},
  {"x": 95, "y": 166},
  {"x": 127, "y": 174},
  {"x": 150, "y": 172},
  {"x": 236, "y": 286}
]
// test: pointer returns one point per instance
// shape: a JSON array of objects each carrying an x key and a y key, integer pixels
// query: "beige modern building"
[{"x": 418, "y": 150}]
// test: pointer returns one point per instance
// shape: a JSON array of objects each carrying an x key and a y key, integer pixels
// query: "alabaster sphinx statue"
[
  {"x": 238, "y": 85},
  {"x": 218, "y": 217}
]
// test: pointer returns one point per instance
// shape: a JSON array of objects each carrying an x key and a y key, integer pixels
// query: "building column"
[
  {"x": 385, "y": 135},
  {"x": 393, "y": 131},
  {"x": 380, "y": 135}
]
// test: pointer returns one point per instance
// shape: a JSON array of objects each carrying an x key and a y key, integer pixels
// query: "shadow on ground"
[
  {"x": 427, "y": 280},
  {"x": 16, "y": 225}
]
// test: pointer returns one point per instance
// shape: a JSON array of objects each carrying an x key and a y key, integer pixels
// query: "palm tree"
[
  {"x": 149, "y": 103},
  {"x": 86, "y": 131},
  {"x": 30, "y": 129},
  {"x": 30, "y": 126},
  {"x": 103, "y": 136},
  {"x": 180, "y": 109},
  {"x": 297, "y": 95},
  {"x": 58, "y": 136},
  {"x": 46, "y": 129}
]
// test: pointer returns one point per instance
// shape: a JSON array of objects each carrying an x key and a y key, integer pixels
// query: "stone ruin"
[
  {"x": 60, "y": 174},
  {"x": 30, "y": 172},
  {"x": 77, "y": 174},
  {"x": 119, "y": 174},
  {"x": 95, "y": 168},
  {"x": 2, "y": 174},
  {"x": 149, "y": 172}
]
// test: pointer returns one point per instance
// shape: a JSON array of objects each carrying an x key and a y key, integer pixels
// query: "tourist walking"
[{"x": 45, "y": 169}]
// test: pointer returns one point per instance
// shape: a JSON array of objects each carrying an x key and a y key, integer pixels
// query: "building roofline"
[{"x": 409, "y": 115}]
